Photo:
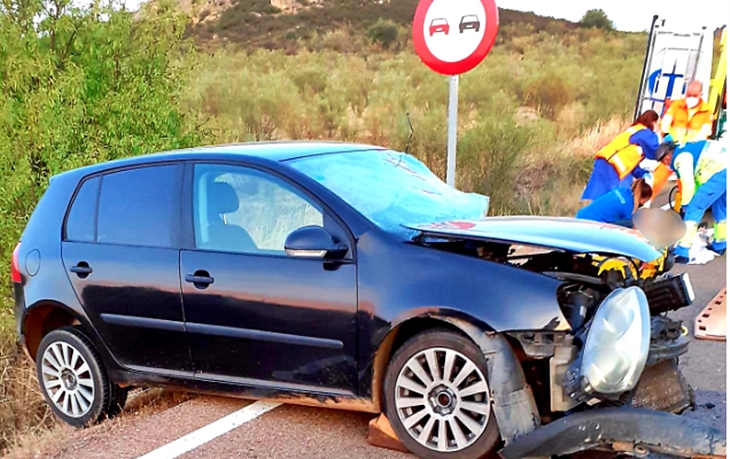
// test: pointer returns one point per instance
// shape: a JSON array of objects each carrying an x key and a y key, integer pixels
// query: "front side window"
[
  {"x": 136, "y": 207},
  {"x": 242, "y": 210}
]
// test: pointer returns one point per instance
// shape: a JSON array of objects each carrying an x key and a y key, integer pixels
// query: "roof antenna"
[{"x": 410, "y": 137}]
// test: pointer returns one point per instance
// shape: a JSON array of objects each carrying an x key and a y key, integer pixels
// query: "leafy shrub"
[
  {"x": 596, "y": 19},
  {"x": 384, "y": 33},
  {"x": 79, "y": 90},
  {"x": 549, "y": 94},
  {"x": 491, "y": 156}
]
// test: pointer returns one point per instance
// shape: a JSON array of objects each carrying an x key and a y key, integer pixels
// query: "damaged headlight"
[{"x": 617, "y": 344}]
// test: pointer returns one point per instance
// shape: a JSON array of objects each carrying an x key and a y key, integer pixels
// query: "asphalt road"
[
  {"x": 705, "y": 363},
  {"x": 301, "y": 432}
]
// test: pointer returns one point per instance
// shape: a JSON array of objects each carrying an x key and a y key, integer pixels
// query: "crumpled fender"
[{"x": 512, "y": 398}]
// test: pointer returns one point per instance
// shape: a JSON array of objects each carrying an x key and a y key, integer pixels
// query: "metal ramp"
[{"x": 711, "y": 324}]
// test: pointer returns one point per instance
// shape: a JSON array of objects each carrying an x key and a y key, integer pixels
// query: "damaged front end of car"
[{"x": 613, "y": 381}]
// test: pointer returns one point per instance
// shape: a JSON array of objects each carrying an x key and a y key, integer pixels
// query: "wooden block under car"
[
  {"x": 381, "y": 434},
  {"x": 711, "y": 323}
]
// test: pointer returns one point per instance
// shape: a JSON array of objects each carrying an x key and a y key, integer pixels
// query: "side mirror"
[{"x": 312, "y": 242}]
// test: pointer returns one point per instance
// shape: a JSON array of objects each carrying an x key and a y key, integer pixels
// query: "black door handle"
[
  {"x": 82, "y": 269},
  {"x": 201, "y": 279}
]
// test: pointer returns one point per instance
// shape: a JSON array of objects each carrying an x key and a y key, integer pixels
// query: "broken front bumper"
[{"x": 630, "y": 431}]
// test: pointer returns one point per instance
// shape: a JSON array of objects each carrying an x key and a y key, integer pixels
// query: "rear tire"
[
  {"x": 437, "y": 397},
  {"x": 73, "y": 380}
]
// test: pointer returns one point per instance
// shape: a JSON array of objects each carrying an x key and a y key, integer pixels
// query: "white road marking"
[{"x": 205, "y": 434}]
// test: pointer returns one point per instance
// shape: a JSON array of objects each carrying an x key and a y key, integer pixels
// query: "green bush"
[
  {"x": 491, "y": 156},
  {"x": 596, "y": 19},
  {"x": 384, "y": 33},
  {"x": 76, "y": 90}
]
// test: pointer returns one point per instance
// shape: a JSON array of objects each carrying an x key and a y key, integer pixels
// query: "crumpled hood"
[{"x": 569, "y": 234}]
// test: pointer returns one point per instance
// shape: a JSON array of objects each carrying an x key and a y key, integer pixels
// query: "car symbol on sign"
[
  {"x": 439, "y": 25},
  {"x": 469, "y": 22}
]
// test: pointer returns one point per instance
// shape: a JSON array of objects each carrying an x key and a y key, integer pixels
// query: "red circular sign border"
[{"x": 462, "y": 66}]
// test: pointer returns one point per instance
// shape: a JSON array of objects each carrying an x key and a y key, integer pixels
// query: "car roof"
[{"x": 277, "y": 151}]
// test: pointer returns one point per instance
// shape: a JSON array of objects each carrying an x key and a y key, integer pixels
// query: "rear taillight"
[{"x": 14, "y": 268}]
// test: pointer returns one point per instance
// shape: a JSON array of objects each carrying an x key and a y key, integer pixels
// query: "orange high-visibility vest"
[
  {"x": 661, "y": 176},
  {"x": 621, "y": 154},
  {"x": 686, "y": 128}
]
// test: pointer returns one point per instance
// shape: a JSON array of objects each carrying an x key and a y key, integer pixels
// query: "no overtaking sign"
[{"x": 452, "y": 37}]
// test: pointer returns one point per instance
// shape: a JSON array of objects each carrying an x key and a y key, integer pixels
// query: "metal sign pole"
[{"x": 453, "y": 112}]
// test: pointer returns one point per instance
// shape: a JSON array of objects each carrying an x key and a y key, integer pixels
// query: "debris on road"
[
  {"x": 710, "y": 324},
  {"x": 381, "y": 434}
]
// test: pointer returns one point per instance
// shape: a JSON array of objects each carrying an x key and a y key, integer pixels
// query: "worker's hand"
[{"x": 649, "y": 165}]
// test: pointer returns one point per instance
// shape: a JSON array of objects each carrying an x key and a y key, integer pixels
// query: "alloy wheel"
[
  {"x": 442, "y": 399},
  {"x": 67, "y": 379}
]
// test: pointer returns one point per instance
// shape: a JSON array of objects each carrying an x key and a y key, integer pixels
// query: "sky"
[{"x": 632, "y": 15}]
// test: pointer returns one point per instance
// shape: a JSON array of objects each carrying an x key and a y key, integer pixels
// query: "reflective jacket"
[
  {"x": 614, "y": 206},
  {"x": 621, "y": 153},
  {"x": 696, "y": 163},
  {"x": 688, "y": 125}
]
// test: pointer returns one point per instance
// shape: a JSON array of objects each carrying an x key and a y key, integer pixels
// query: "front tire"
[
  {"x": 438, "y": 399},
  {"x": 73, "y": 380}
]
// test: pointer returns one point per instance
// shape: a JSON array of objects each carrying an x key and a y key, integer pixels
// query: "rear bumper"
[
  {"x": 620, "y": 429},
  {"x": 19, "y": 311}
]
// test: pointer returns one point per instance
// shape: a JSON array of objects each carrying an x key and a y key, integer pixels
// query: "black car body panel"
[
  {"x": 137, "y": 314},
  {"x": 168, "y": 312}
]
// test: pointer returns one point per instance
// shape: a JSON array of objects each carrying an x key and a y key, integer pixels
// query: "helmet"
[{"x": 664, "y": 149}]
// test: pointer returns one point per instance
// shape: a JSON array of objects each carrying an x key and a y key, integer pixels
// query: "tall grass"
[
  {"x": 22, "y": 408},
  {"x": 526, "y": 115}
]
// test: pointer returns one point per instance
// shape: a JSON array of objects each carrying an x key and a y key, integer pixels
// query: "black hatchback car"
[{"x": 337, "y": 275}]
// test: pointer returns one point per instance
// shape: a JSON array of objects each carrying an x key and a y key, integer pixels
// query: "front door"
[
  {"x": 121, "y": 253},
  {"x": 254, "y": 315}
]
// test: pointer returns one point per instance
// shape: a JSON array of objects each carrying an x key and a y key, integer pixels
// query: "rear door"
[{"x": 121, "y": 252}]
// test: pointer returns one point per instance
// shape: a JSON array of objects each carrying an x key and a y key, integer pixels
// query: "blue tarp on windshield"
[{"x": 392, "y": 189}]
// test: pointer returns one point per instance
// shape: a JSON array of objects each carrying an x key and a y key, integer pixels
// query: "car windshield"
[
  {"x": 438, "y": 22},
  {"x": 392, "y": 189}
]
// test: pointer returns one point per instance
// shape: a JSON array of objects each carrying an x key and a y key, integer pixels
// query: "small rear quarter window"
[{"x": 80, "y": 226}]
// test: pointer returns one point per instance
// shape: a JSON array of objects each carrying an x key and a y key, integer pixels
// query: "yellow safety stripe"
[{"x": 720, "y": 231}]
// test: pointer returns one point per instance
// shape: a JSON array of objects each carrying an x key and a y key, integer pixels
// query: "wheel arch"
[
  {"x": 513, "y": 401},
  {"x": 407, "y": 328},
  {"x": 45, "y": 316}
]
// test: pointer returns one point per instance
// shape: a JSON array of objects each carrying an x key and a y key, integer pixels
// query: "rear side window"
[
  {"x": 136, "y": 207},
  {"x": 81, "y": 223}
]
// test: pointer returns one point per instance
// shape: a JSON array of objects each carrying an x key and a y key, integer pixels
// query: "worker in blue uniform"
[
  {"x": 618, "y": 205},
  {"x": 701, "y": 168},
  {"x": 618, "y": 163}
]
